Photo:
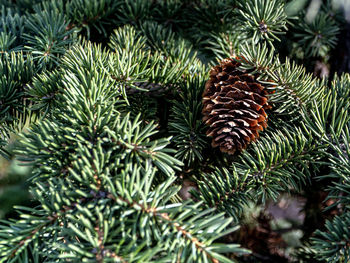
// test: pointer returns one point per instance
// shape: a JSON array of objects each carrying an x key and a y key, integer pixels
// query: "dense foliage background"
[{"x": 103, "y": 146}]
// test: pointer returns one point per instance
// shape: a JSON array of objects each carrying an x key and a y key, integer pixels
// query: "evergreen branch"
[
  {"x": 16, "y": 72},
  {"x": 103, "y": 173},
  {"x": 136, "y": 193},
  {"x": 126, "y": 39},
  {"x": 44, "y": 90},
  {"x": 133, "y": 11},
  {"x": 143, "y": 104},
  {"x": 338, "y": 161},
  {"x": 165, "y": 217},
  {"x": 332, "y": 112},
  {"x": 224, "y": 44},
  {"x": 293, "y": 88},
  {"x": 12, "y": 29},
  {"x": 140, "y": 147},
  {"x": 317, "y": 37},
  {"x": 226, "y": 191},
  {"x": 28, "y": 230},
  {"x": 186, "y": 123},
  {"x": 158, "y": 37},
  {"x": 47, "y": 37},
  {"x": 306, "y": 253},
  {"x": 187, "y": 223},
  {"x": 83, "y": 14},
  {"x": 168, "y": 12},
  {"x": 264, "y": 19},
  {"x": 281, "y": 161},
  {"x": 333, "y": 245},
  {"x": 206, "y": 15},
  {"x": 135, "y": 65},
  {"x": 275, "y": 163}
]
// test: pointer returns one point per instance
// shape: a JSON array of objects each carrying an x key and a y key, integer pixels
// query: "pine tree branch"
[{"x": 165, "y": 217}]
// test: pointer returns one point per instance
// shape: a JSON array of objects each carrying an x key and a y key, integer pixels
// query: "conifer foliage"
[{"x": 112, "y": 104}]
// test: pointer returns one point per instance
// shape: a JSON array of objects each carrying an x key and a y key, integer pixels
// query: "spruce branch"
[
  {"x": 32, "y": 227},
  {"x": 281, "y": 162},
  {"x": 16, "y": 71},
  {"x": 317, "y": 37},
  {"x": 88, "y": 151},
  {"x": 333, "y": 244},
  {"x": 264, "y": 20},
  {"x": 204, "y": 15},
  {"x": 83, "y": 15},
  {"x": 117, "y": 120},
  {"x": 275, "y": 163},
  {"x": 133, "y": 11},
  {"x": 293, "y": 88},
  {"x": 186, "y": 123},
  {"x": 224, "y": 44},
  {"x": 338, "y": 161},
  {"x": 43, "y": 91},
  {"x": 47, "y": 38},
  {"x": 330, "y": 115},
  {"x": 168, "y": 12},
  {"x": 12, "y": 27}
]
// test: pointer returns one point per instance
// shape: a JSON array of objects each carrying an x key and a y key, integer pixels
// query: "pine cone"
[{"x": 234, "y": 105}]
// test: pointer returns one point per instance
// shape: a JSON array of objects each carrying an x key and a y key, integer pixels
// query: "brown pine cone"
[{"x": 234, "y": 105}]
